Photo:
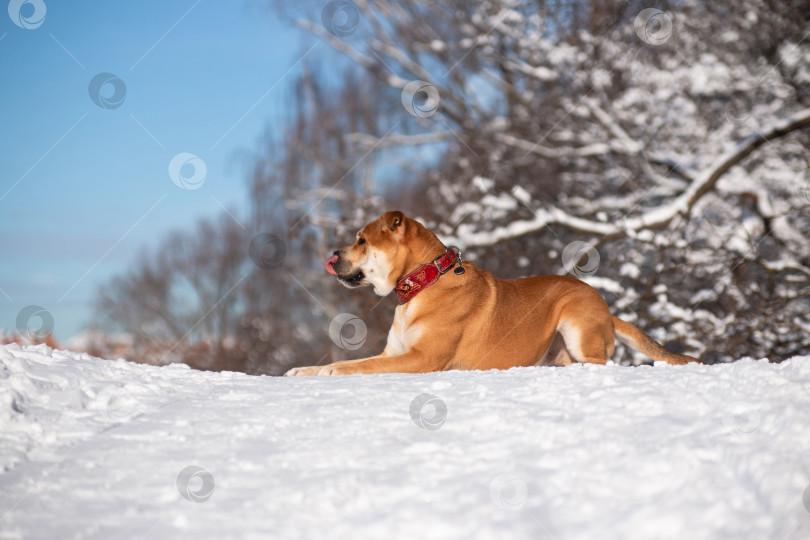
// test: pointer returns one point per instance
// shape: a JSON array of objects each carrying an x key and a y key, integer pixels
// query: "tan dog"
[{"x": 468, "y": 319}]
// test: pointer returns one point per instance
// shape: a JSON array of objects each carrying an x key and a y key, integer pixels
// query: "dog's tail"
[{"x": 638, "y": 340}]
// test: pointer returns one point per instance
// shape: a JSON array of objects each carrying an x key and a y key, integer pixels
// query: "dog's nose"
[{"x": 337, "y": 252}]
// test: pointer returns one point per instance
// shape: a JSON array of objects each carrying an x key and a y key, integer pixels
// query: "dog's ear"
[{"x": 393, "y": 220}]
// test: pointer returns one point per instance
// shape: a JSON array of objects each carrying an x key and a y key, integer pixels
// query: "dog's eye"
[{"x": 361, "y": 241}]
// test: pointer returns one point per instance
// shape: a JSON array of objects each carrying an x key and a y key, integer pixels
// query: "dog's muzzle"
[{"x": 349, "y": 280}]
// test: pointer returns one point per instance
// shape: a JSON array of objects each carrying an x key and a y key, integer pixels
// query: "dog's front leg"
[
  {"x": 410, "y": 362},
  {"x": 329, "y": 369}
]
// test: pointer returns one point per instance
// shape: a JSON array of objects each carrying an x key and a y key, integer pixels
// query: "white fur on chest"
[{"x": 403, "y": 335}]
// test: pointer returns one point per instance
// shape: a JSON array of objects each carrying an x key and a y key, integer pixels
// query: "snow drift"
[{"x": 110, "y": 449}]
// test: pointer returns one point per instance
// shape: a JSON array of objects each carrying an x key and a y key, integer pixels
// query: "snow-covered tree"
[
  {"x": 660, "y": 153},
  {"x": 669, "y": 139}
]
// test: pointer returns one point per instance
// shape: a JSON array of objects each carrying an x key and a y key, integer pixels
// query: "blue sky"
[{"x": 84, "y": 188}]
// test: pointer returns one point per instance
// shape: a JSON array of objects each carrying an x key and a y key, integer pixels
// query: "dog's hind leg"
[
  {"x": 588, "y": 340},
  {"x": 556, "y": 354}
]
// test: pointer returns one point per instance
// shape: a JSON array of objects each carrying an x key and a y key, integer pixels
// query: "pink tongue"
[{"x": 329, "y": 262}]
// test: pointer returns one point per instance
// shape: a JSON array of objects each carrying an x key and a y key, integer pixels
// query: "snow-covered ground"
[{"x": 110, "y": 449}]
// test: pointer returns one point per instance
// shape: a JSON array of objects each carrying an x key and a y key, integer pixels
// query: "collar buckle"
[
  {"x": 454, "y": 258},
  {"x": 439, "y": 267}
]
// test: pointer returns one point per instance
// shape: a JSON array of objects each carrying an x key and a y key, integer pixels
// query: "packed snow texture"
[{"x": 110, "y": 449}]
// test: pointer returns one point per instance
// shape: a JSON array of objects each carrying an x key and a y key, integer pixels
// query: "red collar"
[{"x": 427, "y": 274}]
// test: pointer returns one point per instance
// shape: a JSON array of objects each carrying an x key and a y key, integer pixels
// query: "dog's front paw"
[
  {"x": 338, "y": 368},
  {"x": 299, "y": 371}
]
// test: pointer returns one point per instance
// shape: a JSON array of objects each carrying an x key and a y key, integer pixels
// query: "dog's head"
[{"x": 382, "y": 252}]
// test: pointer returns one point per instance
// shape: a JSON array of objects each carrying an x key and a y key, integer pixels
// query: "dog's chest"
[{"x": 403, "y": 333}]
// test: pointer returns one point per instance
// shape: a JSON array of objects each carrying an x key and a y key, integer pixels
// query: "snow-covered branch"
[
  {"x": 613, "y": 127},
  {"x": 537, "y": 72},
  {"x": 655, "y": 218},
  {"x": 595, "y": 149},
  {"x": 364, "y": 140},
  {"x": 674, "y": 165},
  {"x": 786, "y": 265}
]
